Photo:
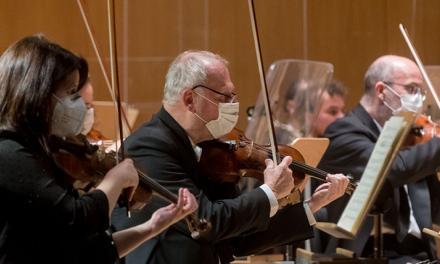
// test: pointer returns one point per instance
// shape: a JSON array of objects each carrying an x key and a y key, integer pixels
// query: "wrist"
[{"x": 313, "y": 205}]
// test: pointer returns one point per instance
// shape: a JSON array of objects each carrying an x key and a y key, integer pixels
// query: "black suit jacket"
[
  {"x": 240, "y": 223},
  {"x": 352, "y": 140}
]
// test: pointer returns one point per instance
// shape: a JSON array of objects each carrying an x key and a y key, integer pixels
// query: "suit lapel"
[{"x": 184, "y": 144}]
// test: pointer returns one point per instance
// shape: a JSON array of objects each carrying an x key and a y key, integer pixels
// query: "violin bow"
[
  {"x": 419, "y": 64},
  {"x": 115, "y": 85},
  {"x": 272, "y": 138},
  {"x": 114, "y": 72},
  {"x": 100, "y": 61}
]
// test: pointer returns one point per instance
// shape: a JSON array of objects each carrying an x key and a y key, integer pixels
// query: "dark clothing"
[
  {"x": 43, "y": 220},
  {"x": 352, "y": 140},
  {"x": 240, "y": 223}
]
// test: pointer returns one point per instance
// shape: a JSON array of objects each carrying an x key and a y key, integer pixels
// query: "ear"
[
  {"x": 379, "y": 90},
  {"x": 188, "y": 99}
]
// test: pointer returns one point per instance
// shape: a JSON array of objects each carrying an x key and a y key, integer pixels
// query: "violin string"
[
  {"x": 171, "y": 197},
  {"x": 316, "y": 173}
]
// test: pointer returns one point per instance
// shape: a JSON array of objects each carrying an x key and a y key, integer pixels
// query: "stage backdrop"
[{"x": 347, "y": 33}]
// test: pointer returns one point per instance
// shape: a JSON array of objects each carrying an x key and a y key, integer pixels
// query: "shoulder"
[
  {"x": 152, "y": 134},
  {"x": 346, "y": 125},
  {"x": 352, "y": 125},
  {"x": 12, "y": 151}
]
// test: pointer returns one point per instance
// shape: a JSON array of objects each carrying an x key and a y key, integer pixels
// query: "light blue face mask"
[
  {"x": 408, "y": 102},
  {"x": 68, "y": 115}
]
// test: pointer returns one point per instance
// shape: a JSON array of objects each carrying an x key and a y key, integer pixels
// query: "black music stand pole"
[{"x": 378, "y": 238}]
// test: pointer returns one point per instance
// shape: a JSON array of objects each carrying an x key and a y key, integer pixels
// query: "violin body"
[
  {"x": 234, "y": 156},
  {"x": 87, "y": 164},
  {"x": 423, "y": 130}
]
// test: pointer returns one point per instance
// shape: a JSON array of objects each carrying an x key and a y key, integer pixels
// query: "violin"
[
  {"x": 423, "y": 130},
  {"x": 88, "y": 163},
  {"x": 234, "y": 156}
]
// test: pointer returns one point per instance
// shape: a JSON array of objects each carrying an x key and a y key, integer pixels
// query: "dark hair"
[
  {"x": 30, "y": 69},
  {"x": 336, "y": 88}
]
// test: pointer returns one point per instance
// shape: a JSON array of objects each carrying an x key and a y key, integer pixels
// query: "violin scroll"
[{"x": 423, "y": 130}]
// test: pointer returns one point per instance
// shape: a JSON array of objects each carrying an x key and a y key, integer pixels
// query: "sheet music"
[{"x": 362, "y": 198}]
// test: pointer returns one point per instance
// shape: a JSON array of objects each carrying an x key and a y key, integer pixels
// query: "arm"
[
  {"x": 122, "y": 176},
  {"x": 128, "y": 239},
  {"x": 288, "y": 225},
  {"x": 353, "y": 145},
  {"x": 170, "y": 166},
  {"x": 415, "y": 163},
  {"x": 40, "y": 193}
]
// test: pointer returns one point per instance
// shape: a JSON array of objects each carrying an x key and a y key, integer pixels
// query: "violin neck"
[
  {"x": 156, "y": 187},
  {"x": 306, "y": 169}
]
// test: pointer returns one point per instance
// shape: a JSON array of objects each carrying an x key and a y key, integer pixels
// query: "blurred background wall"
[{"x": 350, "y": 34}]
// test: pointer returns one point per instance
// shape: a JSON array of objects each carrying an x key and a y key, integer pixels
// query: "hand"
[
  {"x": 329, "y": 191},
  {"x": 126, "y": 175},
  {"x": 279, "y": 178},
  {"x": 168, "y": 215}
]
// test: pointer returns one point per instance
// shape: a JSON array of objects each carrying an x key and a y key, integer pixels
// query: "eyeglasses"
[
  {"x": 228, "y": 98},
  {"x": 410, "y": 88}
]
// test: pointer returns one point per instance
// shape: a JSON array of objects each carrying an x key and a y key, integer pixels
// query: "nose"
[{"x": 340, "y": 114}]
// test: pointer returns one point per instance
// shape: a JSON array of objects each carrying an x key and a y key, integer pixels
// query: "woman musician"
[{"x": 43, "y": 218}]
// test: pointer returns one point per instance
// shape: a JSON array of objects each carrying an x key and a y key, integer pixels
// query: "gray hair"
[
  {"x": 188, "y": 69},
  {"x": 381, "y": 69}
]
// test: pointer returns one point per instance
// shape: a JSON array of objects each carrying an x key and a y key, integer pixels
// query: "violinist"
[
  {"x": 92, "y": 134},
  {"x": 200, "y": 104},
  {"x": 392, "y": 84},
  {"x": 43, "y": 219},
  {"x": 86, "y": 92}
]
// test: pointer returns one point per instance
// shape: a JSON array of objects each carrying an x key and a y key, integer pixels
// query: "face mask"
[
  {"x": 68, "y": 116},
  {"x": 226, "y": 121},
  {"x": 89, "y": 119},
  {"x": 408, "y": 102}
]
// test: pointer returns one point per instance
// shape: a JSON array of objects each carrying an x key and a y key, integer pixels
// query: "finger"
[
  {"x": 128, "y": 161},
  {"x": 269, "y": 163},
  {"x": 192, "y": 204},
  {"x": 131, "y": 191},
  {"x": 169, "y": 207},
  {"x": 286, "y": 161},
  {"x": 180, "y": 199},
  {"x": 322, "y": 187}
]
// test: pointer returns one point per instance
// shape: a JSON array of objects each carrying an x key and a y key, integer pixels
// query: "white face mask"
[
  {"x": 68, "y": 116},
  {"x": 89, "y": 119},
  {"x": 408, "y": 102},
  {"x": 226, "y": 121}
]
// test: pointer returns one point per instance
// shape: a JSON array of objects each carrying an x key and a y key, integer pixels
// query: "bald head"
[
  {"x": 388, "y": 68},
  {"x": 190, "y": 68}
]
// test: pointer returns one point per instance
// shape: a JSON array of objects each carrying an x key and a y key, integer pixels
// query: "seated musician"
[
  {"x": 43, "y": 219},
  {"x": 392, "y": 83},
  {"x": 200, "y": 104},
  {"x": 303, "y": 117},
  {"x": 86, "y": 92},
  {"x": 331, "y": 107}
]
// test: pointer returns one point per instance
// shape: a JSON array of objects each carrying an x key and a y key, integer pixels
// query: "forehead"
[
  {"x": 218, "y": 78},
  {"x": 335, "y": 100},
  {"x": 407, "y": 72},
  {"x": 68, "y": 84}
]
